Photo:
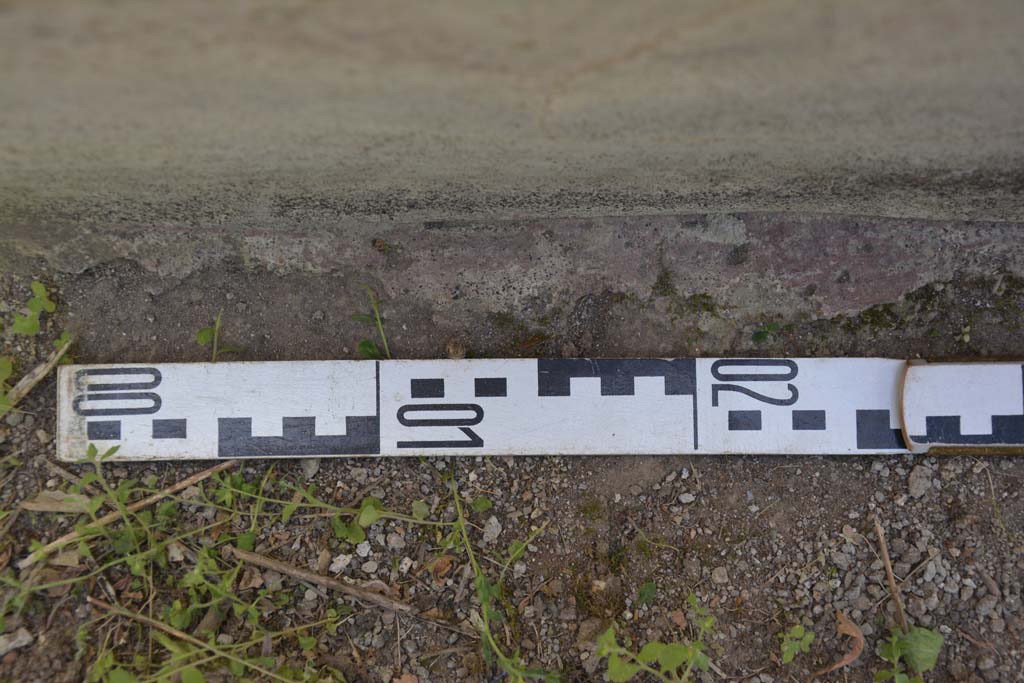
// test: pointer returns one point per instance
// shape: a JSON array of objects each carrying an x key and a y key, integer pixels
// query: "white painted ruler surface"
[{"x": 536, "y": 407}]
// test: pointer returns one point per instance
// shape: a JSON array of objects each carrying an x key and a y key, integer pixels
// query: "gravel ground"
[{"x": 763, "y": 542}]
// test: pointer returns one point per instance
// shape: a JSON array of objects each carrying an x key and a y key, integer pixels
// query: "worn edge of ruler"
[
  {"x": 902, "y": 406},
  {"x": 951, "y": 449}
]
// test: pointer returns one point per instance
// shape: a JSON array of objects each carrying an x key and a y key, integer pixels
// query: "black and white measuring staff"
[{"x": 184, "y": 411}]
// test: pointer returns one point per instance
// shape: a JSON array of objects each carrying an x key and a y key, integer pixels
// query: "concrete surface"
[
  {"x": 281, "y": 115},
  {"x": 618, "y": 287}
]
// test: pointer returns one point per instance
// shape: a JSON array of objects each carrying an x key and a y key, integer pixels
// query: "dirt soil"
[{"x": 763, "y": 542}]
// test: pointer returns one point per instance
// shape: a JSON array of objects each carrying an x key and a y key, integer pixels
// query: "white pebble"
[{"x": 339, "y": 563}]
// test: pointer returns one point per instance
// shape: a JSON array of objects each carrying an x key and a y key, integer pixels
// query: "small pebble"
[
  {"x": 395, "y": 541},
  {"x": 310, "y": 466},
  {"x": 339, "y": 563},
  {"x": 492, "y": 529},
  {"x": 920, "y": 481}
]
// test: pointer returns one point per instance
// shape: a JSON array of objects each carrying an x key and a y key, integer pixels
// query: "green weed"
[
  {"x": 367, "y": 347},
  {"x": 179, "y": 576},
  {"x": 647, "y": 545},
  {"x": 765, "y": 332},
  {"x": 910, "y": 654},
  {"x": 6, "y": 369},
  {"x": 28, "y": 323},
  {"x": 186, "y": 656},
  {"x": 794, "y": 641},
  {"x": 481, "y": 504},
  {"x": 64, "y": 338},
  {"x": 493, "y": 607},
  {"x": 647, "y": 593},
  {"x": 208, "y": 336},
  {"x": 668, "y": 662}
]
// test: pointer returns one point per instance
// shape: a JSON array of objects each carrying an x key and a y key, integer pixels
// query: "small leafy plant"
[
  {"x": 910, "y": 654},
  {"x": 794, "y": 641},
  {"x": 64, "y": 338},
  {"x": 647, "y": 593},
  {"x": 481, "y": 504},
  {"x": 367, "y": 347},
  {"x": 147, "y": 551},
  {"x": 28, "y": 324},
  {"x": 493, "y": 603},
  {"x": 668, "y": 662},
  {"x": 765, "y": 332},
  {"x": 211, "y": 335},
  {"x": 6, "y": 368}
]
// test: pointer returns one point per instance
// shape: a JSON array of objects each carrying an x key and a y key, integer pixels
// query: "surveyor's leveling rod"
[{"x": 538, "y": 407}]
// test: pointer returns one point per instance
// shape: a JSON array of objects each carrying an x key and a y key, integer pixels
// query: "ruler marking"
[
  {"x": 534, "y": 407},
  {"x": 696, "y": 447}
]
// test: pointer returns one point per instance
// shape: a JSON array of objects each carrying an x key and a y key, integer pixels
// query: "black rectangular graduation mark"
[
  {"x": 426, "y": 388},
  {"x": 809, "y": 420},
  {"x": 554, "y": 375},
  {"x": 298, "y": 437},
  {"x": 874, "y": 432},
  {"x": 490, "y": 386},
  {"x": 103, "y": 430},
  {"x": 744, "y": 420},
  {"x": 169, "y": 429}
]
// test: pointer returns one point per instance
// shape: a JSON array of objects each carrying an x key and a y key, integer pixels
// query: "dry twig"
[
  {"x": 981, "y": 644},
  {"x": 71, "y": 478},
  {"x": 114, "y": 516},
  {"x": 845, "y": 627},
  {"x": 357, "y": 592},
  {"x": 361, "y": 594},
  {"x": 180, "y": 635},
  {"x": 36, "y": 375},
  {"x": 894, "y": 590}
]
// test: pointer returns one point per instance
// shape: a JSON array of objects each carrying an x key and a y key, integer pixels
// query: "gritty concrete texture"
[
  {"x": 282, "y": 114},
  {"x": 656, "y": 285}
]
